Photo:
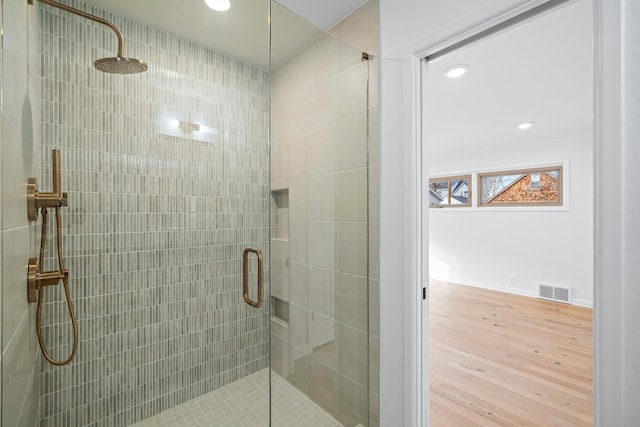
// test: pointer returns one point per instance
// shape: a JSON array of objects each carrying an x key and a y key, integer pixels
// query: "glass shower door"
[{"x": 167, "y": 175}]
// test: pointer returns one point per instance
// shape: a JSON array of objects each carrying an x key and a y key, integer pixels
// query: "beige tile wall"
[
  {"x": 20, "y": 160},
  {"x": 328, "y": 267}
]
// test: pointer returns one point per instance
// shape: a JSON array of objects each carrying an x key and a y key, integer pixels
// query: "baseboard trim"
[
  {"x": 492, "y": 287},
  {"x": 516, "y": 291},
  {"x": 583, "y": 303}
]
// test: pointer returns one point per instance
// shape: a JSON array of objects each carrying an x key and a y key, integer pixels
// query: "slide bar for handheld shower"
[
  {"x": 37, "y": 199},
  {"x": 88, "y": 16}
]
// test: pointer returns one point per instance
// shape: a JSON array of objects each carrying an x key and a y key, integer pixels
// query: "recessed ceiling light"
[
  {"x": 219, "y": 5},
  {"x": 525, "y": 125},
  {"x": 456, "y": 71}
]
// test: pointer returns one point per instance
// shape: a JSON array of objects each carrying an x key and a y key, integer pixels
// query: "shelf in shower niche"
[
  {"x": 280, "y": 239},
  {"x": 280, "y": 322},
  {"x": 280, "y": 327}
]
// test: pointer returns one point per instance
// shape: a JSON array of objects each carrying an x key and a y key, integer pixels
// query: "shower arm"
[{"x": 88, "y": 16}]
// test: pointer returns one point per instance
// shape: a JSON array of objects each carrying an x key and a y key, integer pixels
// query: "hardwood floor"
[{"x": 503, "y": 360}]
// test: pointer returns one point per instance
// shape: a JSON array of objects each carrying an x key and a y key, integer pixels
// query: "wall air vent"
[{"x": 554, "y": 293}]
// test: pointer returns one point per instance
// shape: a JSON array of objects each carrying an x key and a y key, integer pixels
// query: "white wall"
[
  {"x": 411, "y": 26},
  {"x": 486, "y": 247}
]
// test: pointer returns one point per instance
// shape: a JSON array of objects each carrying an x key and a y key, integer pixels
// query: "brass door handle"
[{"x": 245, "y": 277}]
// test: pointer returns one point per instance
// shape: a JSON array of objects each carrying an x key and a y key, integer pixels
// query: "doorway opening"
[{"x": 508, "y": 122}]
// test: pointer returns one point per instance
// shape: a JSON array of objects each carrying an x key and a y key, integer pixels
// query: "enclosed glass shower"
[{"x": 172, "y": 176}]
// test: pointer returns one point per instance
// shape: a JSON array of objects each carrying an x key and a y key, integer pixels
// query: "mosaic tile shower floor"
[{"x": 244, "y": 403}]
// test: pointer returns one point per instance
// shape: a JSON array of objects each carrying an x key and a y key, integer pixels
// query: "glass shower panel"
[
  {"x": 169, "y": 182},
  {"x": 319, "y": 267},
  {"x": 20, "y": 160}
]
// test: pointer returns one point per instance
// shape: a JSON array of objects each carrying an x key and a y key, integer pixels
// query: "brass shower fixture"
[
  {"x": 116, "y": 65},
  {"x": 37, "y": 280},
  {"x": 54, "y": 199}
]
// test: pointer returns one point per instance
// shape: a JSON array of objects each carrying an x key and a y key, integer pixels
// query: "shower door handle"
[{"x": 245, "y": 277}]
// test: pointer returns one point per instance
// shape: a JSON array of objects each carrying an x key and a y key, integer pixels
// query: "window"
[
  {"x": 452, "y": 191},
  {"x": 541, "y": 186}
]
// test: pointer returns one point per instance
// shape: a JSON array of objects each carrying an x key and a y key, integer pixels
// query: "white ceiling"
[
  {"x": 325, "y": 13},
  {"x": 539, "y": 71},
  {"x": 242, "y": 31}
]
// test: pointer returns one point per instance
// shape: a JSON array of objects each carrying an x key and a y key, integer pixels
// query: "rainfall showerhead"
[
  {"x": 116, "y": 65},
  {"x": 120, "y": 65}
]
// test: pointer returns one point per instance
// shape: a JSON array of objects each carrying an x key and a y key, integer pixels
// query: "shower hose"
[{"x": 65, "y": 282}]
